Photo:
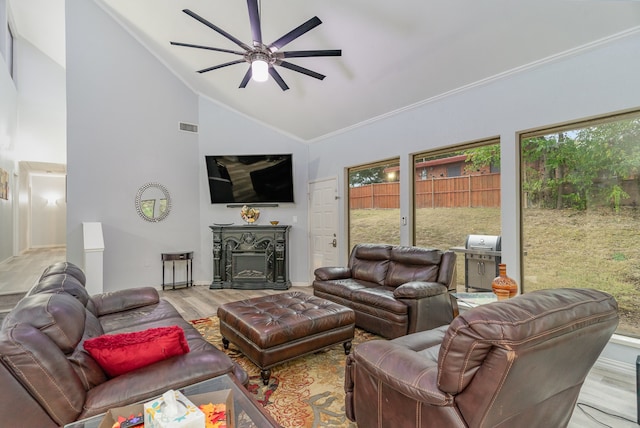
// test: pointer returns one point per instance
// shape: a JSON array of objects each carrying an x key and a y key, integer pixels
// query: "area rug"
[{"x": 306, "y": 392}]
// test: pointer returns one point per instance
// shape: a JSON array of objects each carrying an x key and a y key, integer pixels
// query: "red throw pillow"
[{"x": 120, "y": 353}]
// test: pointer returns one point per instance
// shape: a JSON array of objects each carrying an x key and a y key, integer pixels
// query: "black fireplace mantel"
[{"x": 250, "y": 257}]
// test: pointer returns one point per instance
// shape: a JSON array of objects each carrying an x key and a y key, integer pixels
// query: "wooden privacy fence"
[{"x": 442, "y": 192}]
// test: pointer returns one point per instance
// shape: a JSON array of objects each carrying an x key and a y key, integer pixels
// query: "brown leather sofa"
[
  {"x": 514, "y": 363},
  {"x": 49, "y": 380},
  {"x": 394, "y": 290}
]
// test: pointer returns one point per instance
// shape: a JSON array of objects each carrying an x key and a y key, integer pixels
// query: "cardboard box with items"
[{"x": 208, "y": 410}]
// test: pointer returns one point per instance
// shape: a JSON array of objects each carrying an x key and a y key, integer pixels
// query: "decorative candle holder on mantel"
[{"x": 249, "y": 214}]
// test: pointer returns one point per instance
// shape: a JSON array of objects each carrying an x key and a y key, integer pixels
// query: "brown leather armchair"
[{"x": 514, "y": 363}]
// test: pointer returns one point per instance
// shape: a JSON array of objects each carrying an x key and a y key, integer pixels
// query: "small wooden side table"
[{"x": 173, "y": 257}]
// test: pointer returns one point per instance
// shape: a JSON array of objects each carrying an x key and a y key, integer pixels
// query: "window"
[
  {"x": 580, "y": 187},
  {"x": 374, "y": 203},
  {"x": 460, "y": 197}
]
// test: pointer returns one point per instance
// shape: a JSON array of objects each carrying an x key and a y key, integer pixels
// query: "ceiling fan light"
[{"x": 259, "y": 70}]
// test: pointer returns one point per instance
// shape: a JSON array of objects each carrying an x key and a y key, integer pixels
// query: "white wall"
[
  {"x": 41, "y": 88},
  {"x": 597, "y": 81},
  {"x": 123, "y": 111}
]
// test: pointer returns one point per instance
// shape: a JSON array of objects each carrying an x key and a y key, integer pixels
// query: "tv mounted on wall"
[{"x": 247, "y": 179}]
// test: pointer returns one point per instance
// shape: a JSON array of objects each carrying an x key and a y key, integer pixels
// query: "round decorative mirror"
[{"x": 153, "y": 202}]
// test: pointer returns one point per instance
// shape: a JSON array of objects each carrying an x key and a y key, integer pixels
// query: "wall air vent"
[{"x": 188, "y": 127}]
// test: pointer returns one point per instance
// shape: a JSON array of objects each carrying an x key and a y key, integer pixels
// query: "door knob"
[{"x": 334, "y": 243}]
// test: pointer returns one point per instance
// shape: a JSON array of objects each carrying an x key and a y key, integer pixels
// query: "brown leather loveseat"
[
  {"x": 393, "y": 290},
  {"x": 514, "y": 363},
  {"x": 49, "y": 380}
]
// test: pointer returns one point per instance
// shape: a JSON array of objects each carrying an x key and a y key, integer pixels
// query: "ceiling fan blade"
[
  {"x": 295, "y": 33},
  {"x": 246, "y": 78},
  {"x": 215, "y": 67},
  {"x": 254, "y": 20},
  {"x": 189, "y": 45},
  {"x": 302, "y": 54},
  {"x": 216, "y": 29},
  {"x": 276, "y": 76},
  {"x": 302, "y": 70}
]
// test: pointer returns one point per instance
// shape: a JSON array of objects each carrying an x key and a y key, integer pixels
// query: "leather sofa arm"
[
  {"x": 330, "y": 273},
  {"x": 419, "y": 290},
  {"x": 416, "y": 377},
  {"x": 122, "y": 300}
]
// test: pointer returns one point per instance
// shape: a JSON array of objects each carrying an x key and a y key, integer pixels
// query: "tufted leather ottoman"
[{"x": 273, "y": 329}]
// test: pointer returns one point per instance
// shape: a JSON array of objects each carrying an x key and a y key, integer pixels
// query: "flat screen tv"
[{"x": 249, "y": 179}]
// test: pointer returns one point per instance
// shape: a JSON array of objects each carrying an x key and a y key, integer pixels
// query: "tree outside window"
[{"x": 580, "y": 190}]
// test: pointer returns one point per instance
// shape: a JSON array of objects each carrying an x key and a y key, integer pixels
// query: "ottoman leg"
[
  {"x": 225, "y": 343},
  {"x": 347, "y": 347},
  {"x": 265, "y": 374}
]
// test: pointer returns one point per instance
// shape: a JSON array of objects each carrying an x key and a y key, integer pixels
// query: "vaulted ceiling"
[{"x": 394, "y": 54}]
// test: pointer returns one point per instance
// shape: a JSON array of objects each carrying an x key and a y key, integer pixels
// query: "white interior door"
[{"x": 323, "y": 229}]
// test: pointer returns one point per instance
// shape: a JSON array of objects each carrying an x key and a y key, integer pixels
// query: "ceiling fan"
[{"x": 263, "y": 58}]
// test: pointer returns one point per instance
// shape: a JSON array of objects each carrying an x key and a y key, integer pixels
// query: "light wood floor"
[
  {"x": 20, "y": 273},
  {"x": 608, "y": 387}
]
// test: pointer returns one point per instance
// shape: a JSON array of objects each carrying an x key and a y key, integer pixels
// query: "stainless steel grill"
[{"x": 482, "y": 255}]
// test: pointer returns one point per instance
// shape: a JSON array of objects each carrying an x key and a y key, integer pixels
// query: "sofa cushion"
[
  {"x": 88, "y": 370},
  {"x": 369, "y": 270},
  {"x": 330, "y": 273},
  {"x": 160, "y": 314},
  {"x": 58, "y": 316},
  {"x": 370, "y": 262},
  {"x": 419, "y": 290},
  {"x": 380, "y": 298},
  {"x": 415, "y": 255},
  {"x": 412, "y": 264},
  {"x": 63, "y": 319},
  {"x": 43, "y": 370},
  {"x": 38, "y": 337},
  {"x": 65, "y": 268},
  {"x": 114, "y": 302},
  {"x": 62, "y": 283},
  {"x": 121, "y": 353},
  {"x": 401, "y": 274},
  {"x": 342, "y": 287}
]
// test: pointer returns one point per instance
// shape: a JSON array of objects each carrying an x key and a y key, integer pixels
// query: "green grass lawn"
[{"x": 564, "y": 248}]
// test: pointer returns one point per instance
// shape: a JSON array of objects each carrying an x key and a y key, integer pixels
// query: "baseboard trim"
[
  {"x": 625, "y": 370},
  {"x": 629, "y": 341}
]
